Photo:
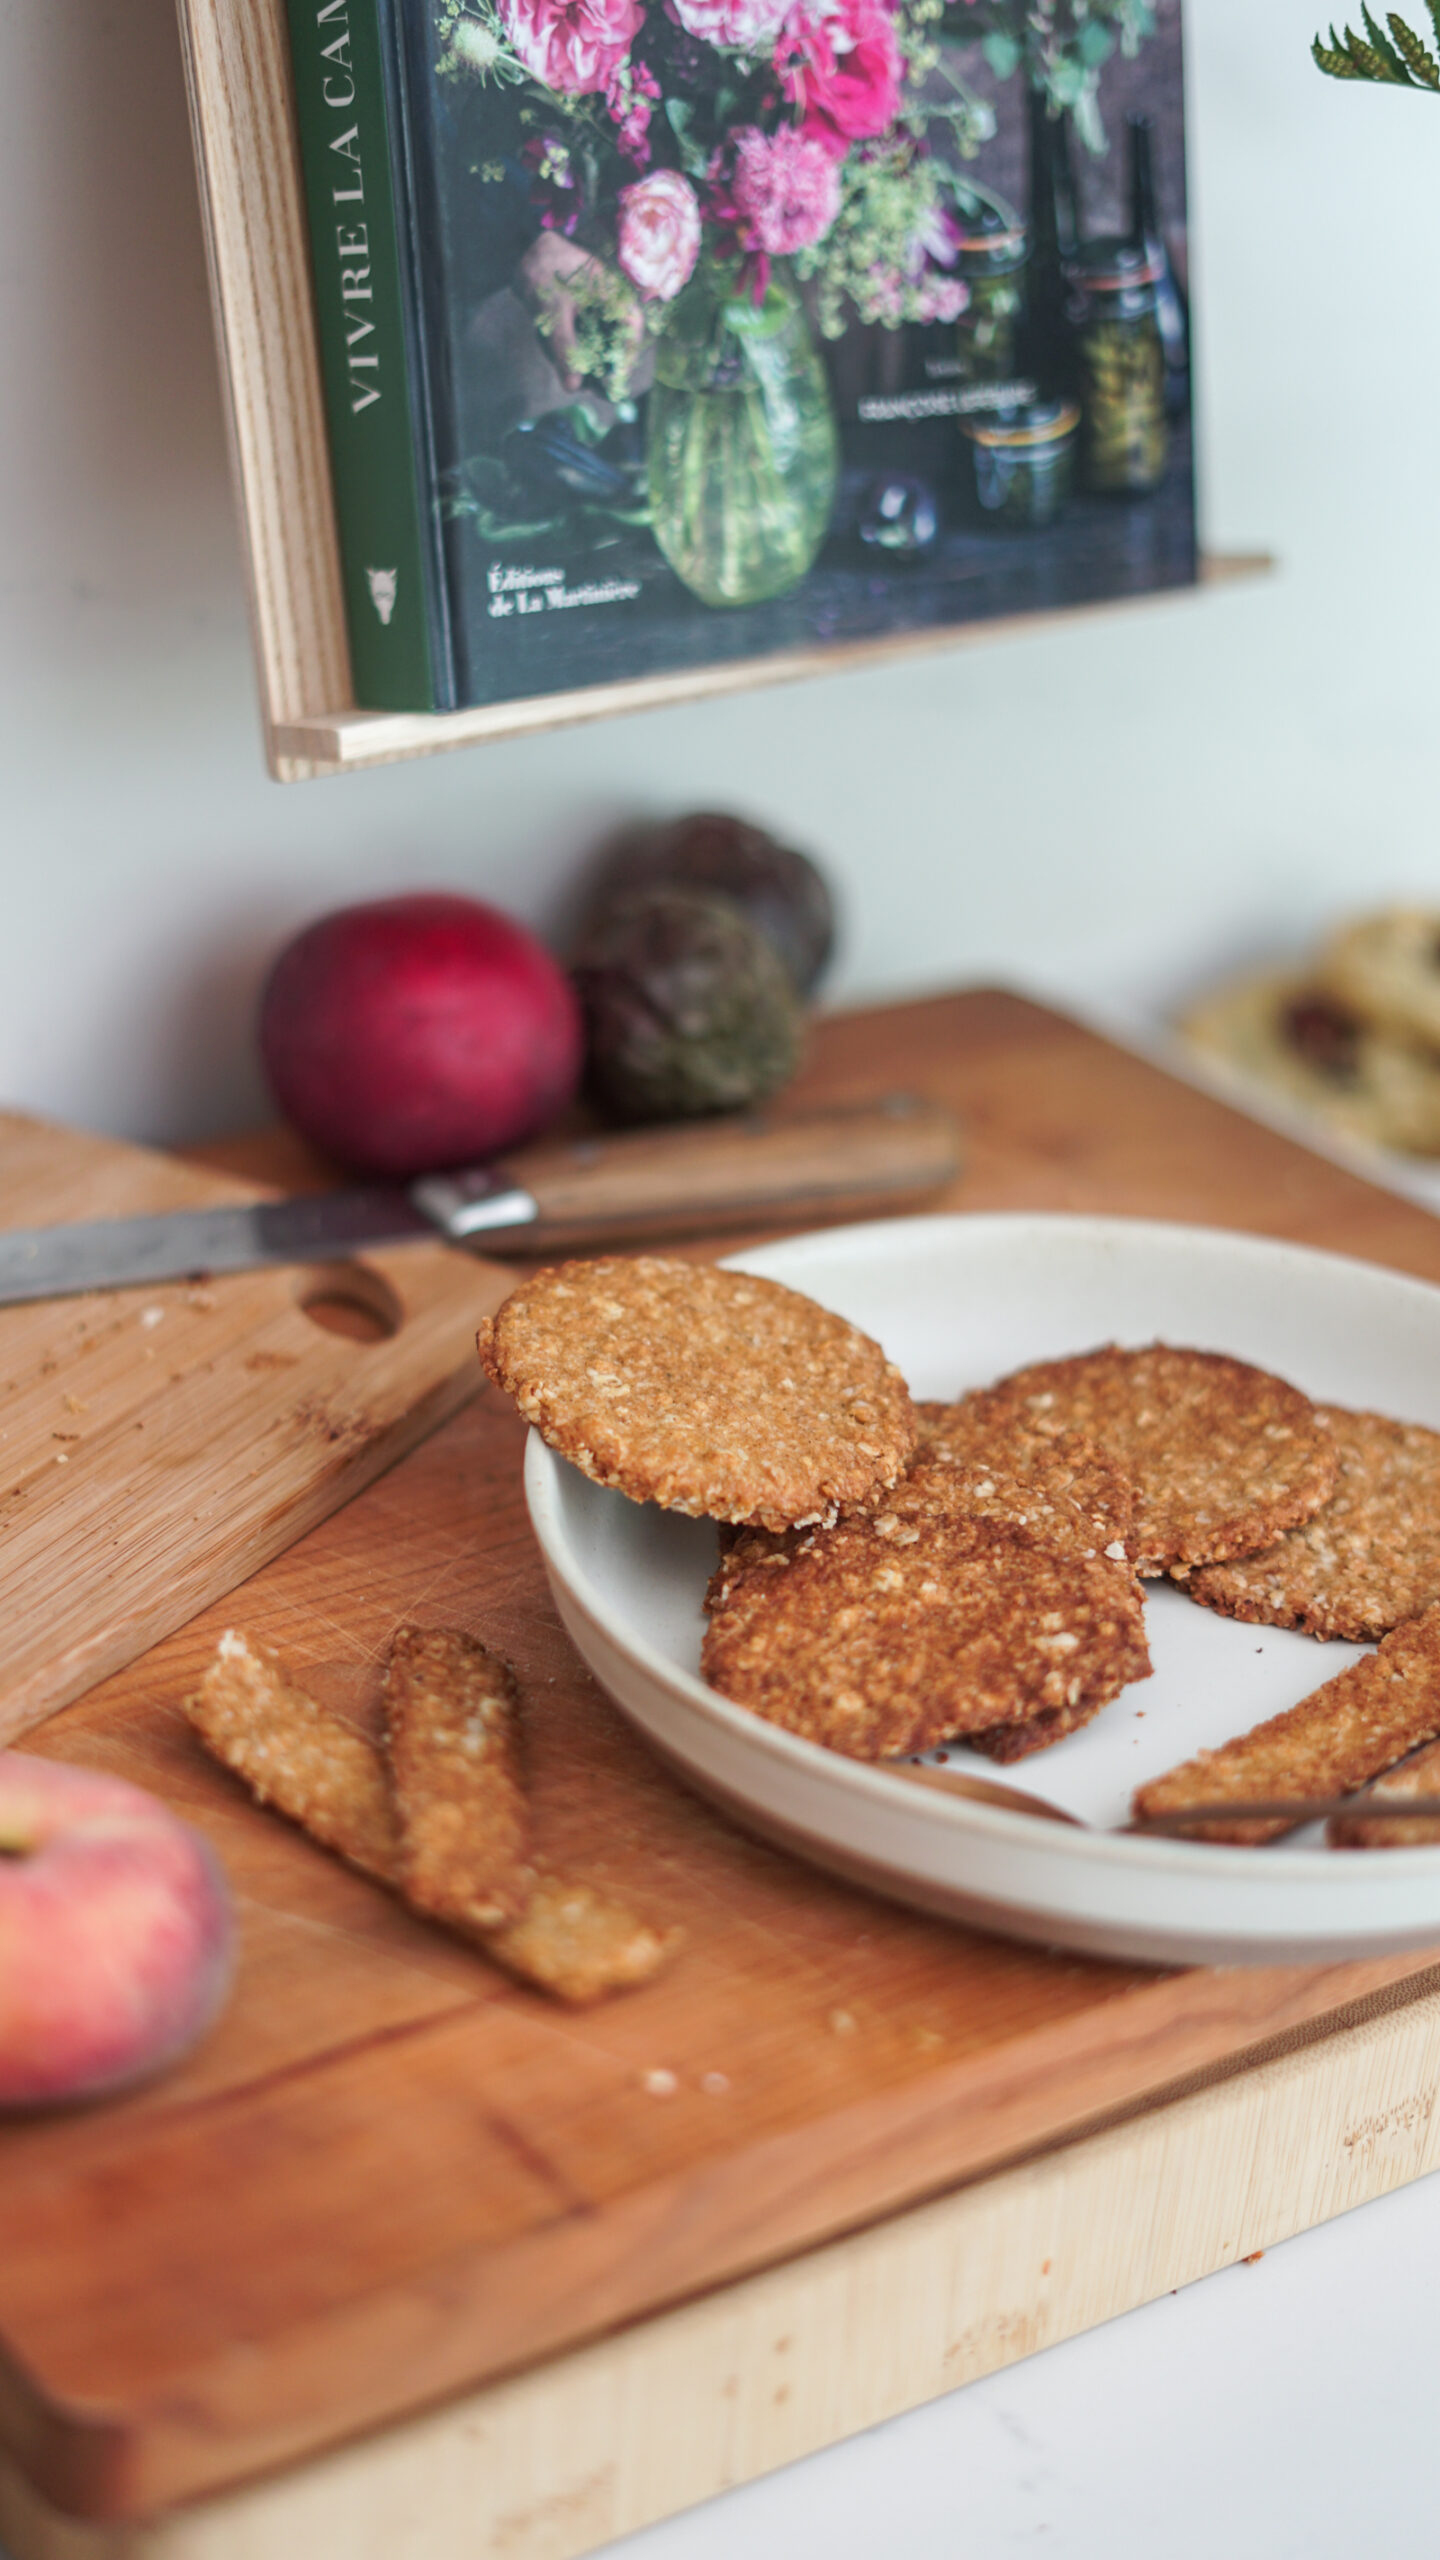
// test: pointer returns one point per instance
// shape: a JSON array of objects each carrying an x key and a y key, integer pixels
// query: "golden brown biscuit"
[
  {"x": 1017, "y": 1741},
  {"x": 296, "y": 1755},
  {"x": 1340, "y": 1737},
  {"x": 1419, "y": 1776},
  {"x": 1295, "y": 1038},
  {"x": 887, "y": 1635},
  {"x": 1059, "y": 1485},
  {"x": 742, "y": 1551},
  {"x": 452, "y": 1740},
  {"x": 1367, "y": 1560},
  {"x": 1223, "y": 1457},
  {"x": 706, "y": 1391}
]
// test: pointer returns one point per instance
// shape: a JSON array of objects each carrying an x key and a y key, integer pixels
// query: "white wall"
[{"x": 1122, "y": 806}]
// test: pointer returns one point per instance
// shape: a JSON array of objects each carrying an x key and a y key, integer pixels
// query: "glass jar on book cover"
[
  {"x": 1120, "y": 365},
  {"x": 743, "y": 453},
  {"x": 991, "y": 263},
  {"x": 1024, "y": 461}
]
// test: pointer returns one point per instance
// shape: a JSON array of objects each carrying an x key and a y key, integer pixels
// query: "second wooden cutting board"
[{"x": 157, "y": 1445}]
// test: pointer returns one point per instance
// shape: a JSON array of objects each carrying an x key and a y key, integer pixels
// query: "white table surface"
[{"x": 1281, "y": 2411}]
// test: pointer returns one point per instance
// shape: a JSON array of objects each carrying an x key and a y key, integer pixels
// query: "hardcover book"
[{"x": 662, "y": 333}]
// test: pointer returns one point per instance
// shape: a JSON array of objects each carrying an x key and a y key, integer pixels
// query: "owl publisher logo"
[{"x": 382, "y": 584}]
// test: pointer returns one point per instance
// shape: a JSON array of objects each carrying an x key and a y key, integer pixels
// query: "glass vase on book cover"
[{"x": 743, "y": 453}]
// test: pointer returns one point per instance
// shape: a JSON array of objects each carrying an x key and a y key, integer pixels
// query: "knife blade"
[{"x": 686, "y": 1177}]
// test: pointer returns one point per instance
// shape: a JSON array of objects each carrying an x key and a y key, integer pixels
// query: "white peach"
[{"x": 116, "y": 1933}]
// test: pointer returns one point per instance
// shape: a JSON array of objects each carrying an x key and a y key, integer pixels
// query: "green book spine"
[{"x": 386, "y": 559}]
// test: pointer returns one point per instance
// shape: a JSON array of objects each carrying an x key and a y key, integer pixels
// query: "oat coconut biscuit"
[
  {"x": 706, "y": 1391},
  {"x": 890, "y": 1633},
  {"x": 1223, "y": 1456},
  {"x": 1062, "y": 1489},
  {"x": 1060, "y": 1485},
  {"x": 1363, "y": 1563},
  {"x": 1340, "y": 1737}
]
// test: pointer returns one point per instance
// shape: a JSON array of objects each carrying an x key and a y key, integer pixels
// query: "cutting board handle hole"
[{"x": 350, "y": 1300}]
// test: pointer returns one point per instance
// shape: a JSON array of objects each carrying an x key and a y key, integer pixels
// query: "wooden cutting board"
[
  {"x": 157, "y": 1445},
  {"x": 392, "y": 2182}
]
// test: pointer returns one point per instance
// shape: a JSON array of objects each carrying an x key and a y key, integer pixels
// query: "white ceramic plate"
[{"x": 958, "y": 1301}]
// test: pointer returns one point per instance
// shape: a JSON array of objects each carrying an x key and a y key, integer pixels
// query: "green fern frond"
[
  {"x": 1339, "y": 65},
  {"x": 1372, "y": 63},
  {"x": 1400, "y": 59},
  {"x": 1381, "y": 44},
  {"x": 1422, "y": 66}
]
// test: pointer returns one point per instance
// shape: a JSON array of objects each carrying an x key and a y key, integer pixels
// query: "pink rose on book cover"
[
  {"x": 841, "y": 66},
  {"x": 659, "y": 238},
  {"x": 785, "y": 190},
  {"x": 741, "y": 26},
  {"x": 572, "y": 45}
]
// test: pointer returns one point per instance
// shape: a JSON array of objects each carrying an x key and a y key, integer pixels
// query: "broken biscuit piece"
[
  {"x": 707, "y": 1391},
  {"x": 452, "y": 1740},
  {"x": 578, "y": 1945},
  {"x": 1419, "y": 1776},
  {"x": 295, "y": 1755},
  {"x": 445, "y": 1691},
  {"x": 1340, "y": 1737},
  {"x": 1223, "y": 1456}
]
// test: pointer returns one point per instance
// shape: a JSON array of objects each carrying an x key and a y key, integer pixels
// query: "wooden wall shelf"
[{"x": 237, "y": 66}]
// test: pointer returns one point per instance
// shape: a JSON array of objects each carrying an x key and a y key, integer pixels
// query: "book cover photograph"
[{"x": 661, "y": 334}]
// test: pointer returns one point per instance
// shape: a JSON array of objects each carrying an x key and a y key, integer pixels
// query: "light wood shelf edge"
[
  {"x": 347, "y": 741},
  {"x": 563, "y": 2459},
  {"x": 237, "y": 69}
]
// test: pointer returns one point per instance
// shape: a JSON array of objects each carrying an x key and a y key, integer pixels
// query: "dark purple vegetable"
[
  {"x": 779, "y": 889},
  {"x": 687, "y": 1008}
]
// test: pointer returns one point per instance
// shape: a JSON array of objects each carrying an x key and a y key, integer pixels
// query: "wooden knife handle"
[{"x": 699, "y": 1174}]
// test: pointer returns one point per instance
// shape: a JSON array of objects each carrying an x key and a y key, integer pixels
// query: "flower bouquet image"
[{"x": 753, "y": 326}]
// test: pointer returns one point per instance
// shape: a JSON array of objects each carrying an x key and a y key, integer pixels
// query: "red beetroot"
[{"x": 418, "y": 1032}]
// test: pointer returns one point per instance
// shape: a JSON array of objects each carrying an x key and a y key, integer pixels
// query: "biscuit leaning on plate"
[{"x": 706, "y": 1391}]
